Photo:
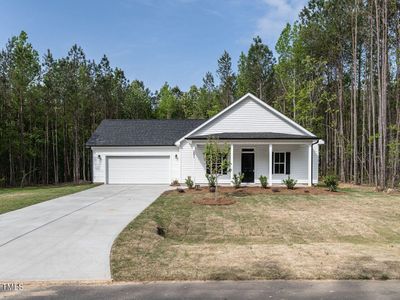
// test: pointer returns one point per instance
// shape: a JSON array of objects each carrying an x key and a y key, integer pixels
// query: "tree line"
[{"x": 336, "y": 72}]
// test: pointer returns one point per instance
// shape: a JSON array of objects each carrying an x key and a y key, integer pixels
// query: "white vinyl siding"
[
  {"x": 249, "y": 116},
  {"x": 138, "y": 170},
  {"x": 187, "y": 159},
  {"x": 298, "y": 163},
  {"x": 183, "y": 164},
  {"x": 195, "y": 166},
  {"x": 100, "y": 155}
]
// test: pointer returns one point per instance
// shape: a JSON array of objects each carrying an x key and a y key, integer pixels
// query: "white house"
[{"x": 262, "y": 142}]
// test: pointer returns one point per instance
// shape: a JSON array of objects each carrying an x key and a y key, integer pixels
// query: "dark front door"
[{"x": 248, "y": 167}]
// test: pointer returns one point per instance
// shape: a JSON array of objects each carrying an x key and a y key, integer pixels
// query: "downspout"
[
  {"x": 312, "y": 161},
  {"x": 91, "y": 164}
]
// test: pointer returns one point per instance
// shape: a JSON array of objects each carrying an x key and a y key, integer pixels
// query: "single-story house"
[{"x": 262, "y": 141}]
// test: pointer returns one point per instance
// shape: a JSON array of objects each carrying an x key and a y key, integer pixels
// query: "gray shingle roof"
[
  {"x": 141, "y": 132},
  {"x": 251, "y": 136}
]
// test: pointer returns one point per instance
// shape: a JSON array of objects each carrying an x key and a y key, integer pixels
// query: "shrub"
[
  {"x": 289, "y": 182},
  {"x": 331, "y": 182},
  {"x": 237, "y": 180},
  {"x": 211, "y": 180},
  {"x": 264, "y": 181},
  {"x": 189, "y": 182},
  {"x": 175, "y": 182}
]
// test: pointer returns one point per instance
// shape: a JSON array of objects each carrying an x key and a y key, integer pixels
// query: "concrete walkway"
[
  {"x": 69, "y": 238},
  {"x": 278, "y": 289}
]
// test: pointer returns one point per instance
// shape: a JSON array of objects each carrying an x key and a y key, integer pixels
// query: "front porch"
[{"x": 275, "y": 159}]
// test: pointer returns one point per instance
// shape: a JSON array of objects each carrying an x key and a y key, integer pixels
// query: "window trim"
[
  {"x": 224, "y": 172},
  {"x": 279, "y": 163}
]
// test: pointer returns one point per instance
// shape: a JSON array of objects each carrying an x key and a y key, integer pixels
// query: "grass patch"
[
  {"x": 354, "y": 234},
  {"x": 16, "y": 198}
]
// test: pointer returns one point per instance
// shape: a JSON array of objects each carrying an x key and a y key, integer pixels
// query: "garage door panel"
[{"x": 138, "y": 169}]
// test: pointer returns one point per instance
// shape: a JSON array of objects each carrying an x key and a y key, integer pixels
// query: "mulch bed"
[
  {"x": 230, "y": 191},
  {"x": 256, "y": 190},
  {"x": 211, "y": 201}
]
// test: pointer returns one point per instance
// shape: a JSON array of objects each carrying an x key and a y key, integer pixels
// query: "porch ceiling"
[{"x": 252, "y": 136}]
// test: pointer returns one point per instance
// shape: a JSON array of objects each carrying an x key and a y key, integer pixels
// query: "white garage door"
[{"x": 138, "y": 169}]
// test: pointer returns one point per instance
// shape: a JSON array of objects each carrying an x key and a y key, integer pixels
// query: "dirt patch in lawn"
[{"x": 355, "y": 235}]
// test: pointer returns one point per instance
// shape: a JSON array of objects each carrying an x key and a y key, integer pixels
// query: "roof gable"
[{"x": 249, "y": 114}]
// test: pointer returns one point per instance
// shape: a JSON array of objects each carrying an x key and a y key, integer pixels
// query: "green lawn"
[
  {"x": 15, "y": 198},
  {"x": 353, "y": 234}
]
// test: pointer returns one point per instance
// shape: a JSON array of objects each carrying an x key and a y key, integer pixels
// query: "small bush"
[
  {"x": 331, "y": 182},
  {"x": 237, "y": 180},
  {"x": 212, "y": 179},
  {"x": 175, "y": 182},
  {"x": 189, "y": 182},
  {"x": 290, "y": 183},
  {"x": 264, "y": 181}
]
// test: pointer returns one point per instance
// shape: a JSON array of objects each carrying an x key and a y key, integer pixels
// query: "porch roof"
[{"x": 252, "y": 136}]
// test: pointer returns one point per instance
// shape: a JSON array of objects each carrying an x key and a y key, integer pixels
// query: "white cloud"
[{"x": 278, "y": 13}]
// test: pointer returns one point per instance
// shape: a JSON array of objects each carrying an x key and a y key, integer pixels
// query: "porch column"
[
  {"x": 309, "y": 165},
  {"x": 270, "y": 165},
  {"x": 231, "y": 163},
  {"x": 193, "y": 163}
]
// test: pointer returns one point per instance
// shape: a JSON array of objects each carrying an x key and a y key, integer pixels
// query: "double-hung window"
[
  {"x": 223, "y": 171},
  {"x": 281, "y": 162}
]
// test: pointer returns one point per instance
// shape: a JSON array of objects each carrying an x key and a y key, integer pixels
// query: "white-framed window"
[
  {"x": 279, "y": 163},
  {"x": 224, "y": 171}
]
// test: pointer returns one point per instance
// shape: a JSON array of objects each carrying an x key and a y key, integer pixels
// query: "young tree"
[{"x": 216, "y": 156}]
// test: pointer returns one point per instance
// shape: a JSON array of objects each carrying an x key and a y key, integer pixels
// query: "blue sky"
[{"x": 152, "y": 40}]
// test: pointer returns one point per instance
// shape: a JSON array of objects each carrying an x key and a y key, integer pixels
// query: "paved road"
[
  {"x": 69, "y": 238},
  {"x": 220, "y": 290}
]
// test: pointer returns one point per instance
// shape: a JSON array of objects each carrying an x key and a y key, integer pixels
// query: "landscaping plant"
[
  {"x": 264, "y": 181},
  {"x": 189, "y": 182},
  {"x": 237, "y": 180},
  {"x": 175, "y": 182},
  {"x": 211, "y": 182},
  {"x": 217, "y": 163},
  {"x": 331, "y": 182},
  {"x": 290, "y": 183}
]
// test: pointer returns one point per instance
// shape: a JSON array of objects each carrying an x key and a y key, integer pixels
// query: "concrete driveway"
[{"x": 69, "y": 238}]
